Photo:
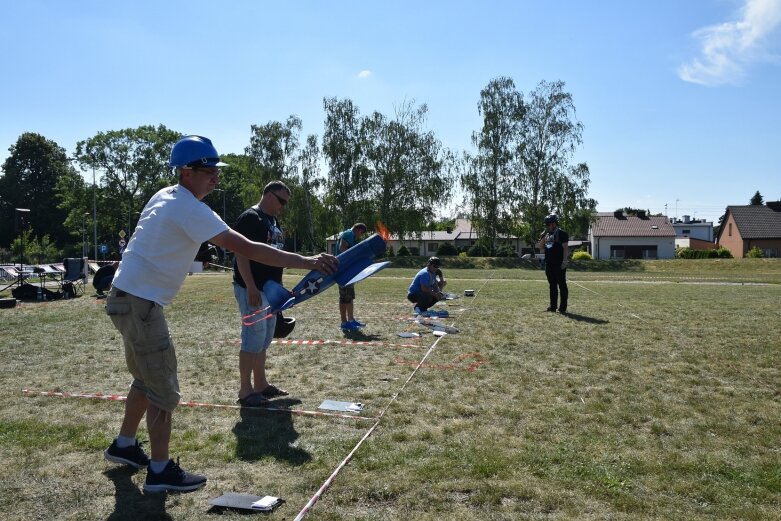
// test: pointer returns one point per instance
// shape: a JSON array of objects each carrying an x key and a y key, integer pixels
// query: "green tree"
[
  {"x": 757, "y": 199},
  {"x": 30, "y": 174},
  {"x": 241, "y": 186},
  {"x": 309, "y": 183},
  {"x": 28, "y": 248},
  {"x": 75, "y": 197},
  {"x": 409, "y": 172},
  {"x": 343, "y": 149},
  {"x": 546, "y": 180},
  {"x": 276, "y": 153},
  {"x": 274, "y": 148},
  {"x": 487, "y": 178},
  {"x": 523, "y": 168},
  {"x": 133, "y": 164}
]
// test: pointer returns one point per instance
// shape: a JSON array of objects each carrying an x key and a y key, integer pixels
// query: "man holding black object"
[
  {"x": 258, "y": 223},
  {"x": 554, "y": 241}
]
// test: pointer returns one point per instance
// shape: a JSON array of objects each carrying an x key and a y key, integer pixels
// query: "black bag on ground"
[{"x": 29, "y": 292}]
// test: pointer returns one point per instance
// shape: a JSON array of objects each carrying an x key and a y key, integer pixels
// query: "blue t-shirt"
[
  {"x": 423, "y": 278},
  {"x": 347, "y": 236}
]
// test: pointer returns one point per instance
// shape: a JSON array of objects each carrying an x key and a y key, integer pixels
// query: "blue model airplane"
[{"x": 355, "y": 264}]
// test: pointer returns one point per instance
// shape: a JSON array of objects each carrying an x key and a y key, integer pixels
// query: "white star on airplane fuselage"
[{"x": 312, "y": 286}]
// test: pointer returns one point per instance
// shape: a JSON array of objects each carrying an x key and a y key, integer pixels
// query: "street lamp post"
[
  {"x": 94, "y": 209},
  {"x": 84, "y": 247}
]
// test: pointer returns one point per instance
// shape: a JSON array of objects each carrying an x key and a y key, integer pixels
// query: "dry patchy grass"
[{"x": 655, "y": 399}]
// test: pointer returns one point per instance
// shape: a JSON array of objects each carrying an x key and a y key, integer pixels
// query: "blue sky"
[{"x": 680, "y": 100}]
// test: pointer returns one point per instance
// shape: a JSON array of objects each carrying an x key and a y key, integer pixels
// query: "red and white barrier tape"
[
  {"x": 120, "y": 398},
  {"x": 342, "y": 342}
]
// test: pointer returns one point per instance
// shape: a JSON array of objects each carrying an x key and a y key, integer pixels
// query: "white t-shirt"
[{"x": 161, "y": 251}]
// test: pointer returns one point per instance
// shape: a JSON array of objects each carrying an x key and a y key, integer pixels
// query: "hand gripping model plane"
[{"x": 355, "y": 264}]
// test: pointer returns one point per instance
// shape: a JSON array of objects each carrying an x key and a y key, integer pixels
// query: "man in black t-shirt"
[
  {"x": 554, "y": 241},
  {"x": 259, "y": 224}
]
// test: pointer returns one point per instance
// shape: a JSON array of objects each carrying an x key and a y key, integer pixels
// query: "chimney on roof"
[
  {"x": 641, "y": 214},
  {"x": 686, "y": 219},
  {"x": 618, "y": 214}
]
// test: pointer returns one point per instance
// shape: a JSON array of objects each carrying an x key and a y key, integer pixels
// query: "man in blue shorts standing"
[{"x": 259, "y": 224}]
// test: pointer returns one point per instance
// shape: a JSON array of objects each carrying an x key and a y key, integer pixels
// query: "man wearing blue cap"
[{"x": 154, "y": 265}]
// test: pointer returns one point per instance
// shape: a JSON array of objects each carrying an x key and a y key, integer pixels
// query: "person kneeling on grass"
[{"x": 425, "y": 291}]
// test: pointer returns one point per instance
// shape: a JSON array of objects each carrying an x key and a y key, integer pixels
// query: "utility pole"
[
  {"x": 94, "y": 209},
  {"x": 84, "y": 247}
]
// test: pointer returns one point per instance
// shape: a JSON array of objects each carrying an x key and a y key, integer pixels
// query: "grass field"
[{"x": 657, "y": 398}]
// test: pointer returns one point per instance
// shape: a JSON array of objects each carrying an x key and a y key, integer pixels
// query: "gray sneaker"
[
  {"x": 133, "y": 455},
  {"x": 173, "y": 478}
]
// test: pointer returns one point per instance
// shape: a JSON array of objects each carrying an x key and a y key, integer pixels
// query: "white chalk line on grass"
[
  {"x": 327, "y": 484},
  {"x": 595, "y": 293}
]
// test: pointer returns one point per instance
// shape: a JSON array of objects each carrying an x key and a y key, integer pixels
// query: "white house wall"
[
  {"x": 696, "y": 231},
  {"x": 665, "y": 246}
]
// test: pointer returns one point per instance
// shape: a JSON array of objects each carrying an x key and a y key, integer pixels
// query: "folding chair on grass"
[
  {"x": 46, "y": 271},
  {"x": 13, "y": 276},
  {"x": 73, "y": 279}
]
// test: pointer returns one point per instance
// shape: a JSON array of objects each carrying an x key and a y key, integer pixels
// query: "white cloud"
[
  {"x": 728, "y": 49},
  {"x": 364, "y": 73}
]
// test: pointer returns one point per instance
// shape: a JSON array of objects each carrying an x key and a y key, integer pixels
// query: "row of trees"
[{"x": 366, "y": 168}]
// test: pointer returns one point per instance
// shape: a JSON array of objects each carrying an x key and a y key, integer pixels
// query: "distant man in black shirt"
[{"x": 554, "y": 241}]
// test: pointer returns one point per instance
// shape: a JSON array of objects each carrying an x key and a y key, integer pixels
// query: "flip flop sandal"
[
  {"x": 272, "y": 391},
  {"x": 253, "y": 400}
]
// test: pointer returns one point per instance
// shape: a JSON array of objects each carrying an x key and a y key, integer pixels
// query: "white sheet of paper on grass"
[
  {"x": 333, "y": 405},
  {"x": 265, "y": 503}
]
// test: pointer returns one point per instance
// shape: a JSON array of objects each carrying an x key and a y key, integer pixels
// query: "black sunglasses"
[{"x": 283, "y": 202}]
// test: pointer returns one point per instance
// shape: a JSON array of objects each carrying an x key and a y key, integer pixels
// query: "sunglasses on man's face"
[
  {"x": 211, "y": 171},
  {"x": 282, "y": 201}
]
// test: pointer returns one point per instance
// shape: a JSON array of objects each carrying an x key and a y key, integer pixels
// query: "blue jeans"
[{"x": 257, "y": 336}]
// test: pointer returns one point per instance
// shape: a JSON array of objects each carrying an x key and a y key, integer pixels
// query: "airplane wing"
[{"x": 360, "y": 271}]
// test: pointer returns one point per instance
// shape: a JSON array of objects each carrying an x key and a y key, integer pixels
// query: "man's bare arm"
[{"x": 265, "y": 254}]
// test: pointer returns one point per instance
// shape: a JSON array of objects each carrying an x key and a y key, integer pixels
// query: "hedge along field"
[{"x": 657, "y": 398}]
